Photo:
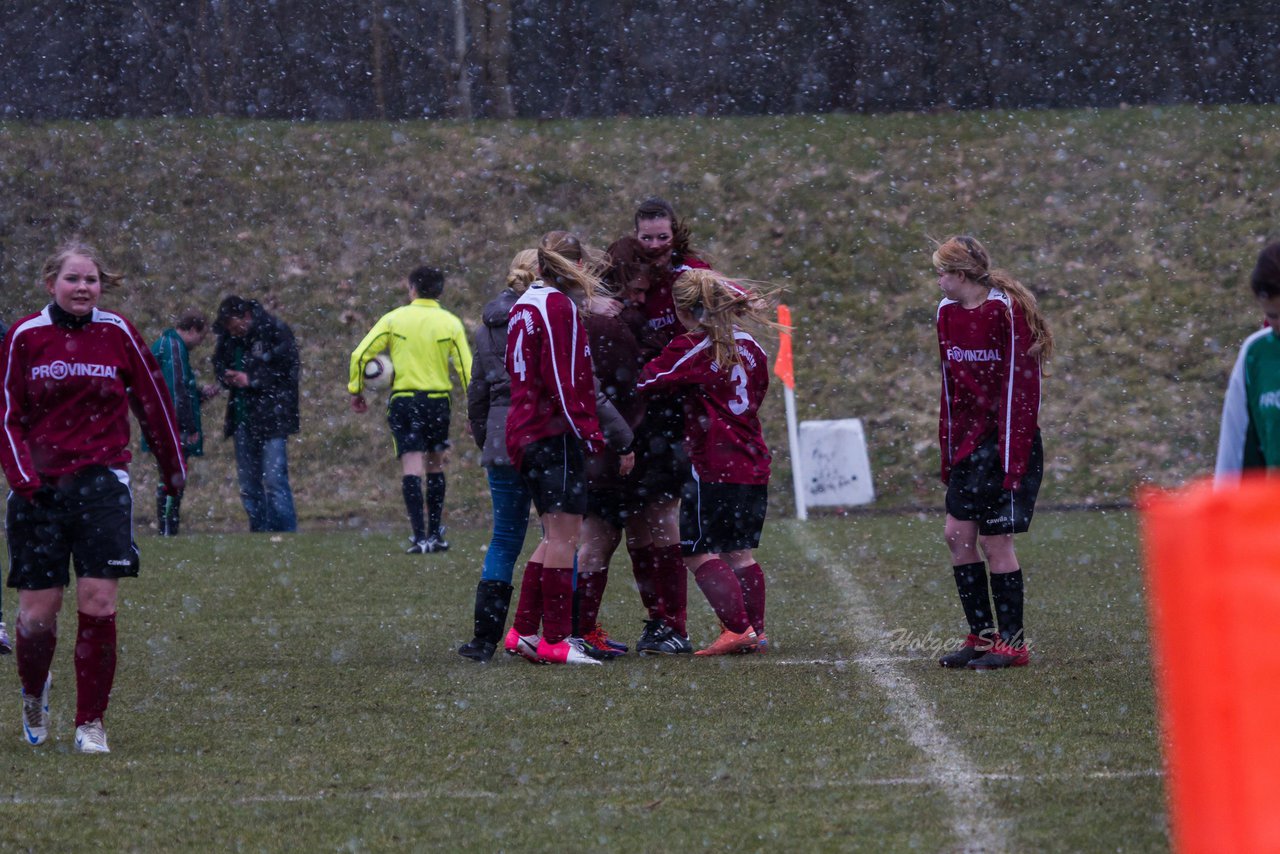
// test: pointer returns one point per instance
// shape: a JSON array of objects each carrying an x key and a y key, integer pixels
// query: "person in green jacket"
[
  {"x": 1249, "y": 437},
  {"x": 173, "y": 351}
]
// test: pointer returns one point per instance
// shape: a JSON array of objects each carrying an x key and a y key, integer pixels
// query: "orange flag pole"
[{"x": 783, "y": 367}]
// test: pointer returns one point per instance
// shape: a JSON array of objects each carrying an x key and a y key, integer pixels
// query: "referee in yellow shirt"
[{"x": 422, "y": 339}]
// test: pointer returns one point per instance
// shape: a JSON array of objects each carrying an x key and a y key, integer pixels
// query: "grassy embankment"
[{"x": 1137, "y": 228}]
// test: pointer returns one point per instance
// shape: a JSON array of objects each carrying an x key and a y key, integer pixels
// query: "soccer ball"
[{"x": 378, "y": 372}]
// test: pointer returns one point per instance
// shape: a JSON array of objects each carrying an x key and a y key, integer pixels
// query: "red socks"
[
  {"x": 644, "y": 567},
  {"x": 35, "y": 654},
  {"x": 95, "y": 666},
  {"x": 751, "y": 578},
  {"x": 719, "y": 584},
  {"x": 673, "y": 587},
  {"x": 590, "y": 593},
  {"x": 529, "y": 605},
  {"x": 557, "y": 603},
  {"x": 95, "y": 662}
]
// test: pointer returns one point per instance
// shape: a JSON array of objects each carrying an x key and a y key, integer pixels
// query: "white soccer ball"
[{"x": 378, "y": 372}]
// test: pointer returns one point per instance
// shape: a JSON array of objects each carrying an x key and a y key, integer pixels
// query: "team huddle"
[{"x": 617, "y": 394}]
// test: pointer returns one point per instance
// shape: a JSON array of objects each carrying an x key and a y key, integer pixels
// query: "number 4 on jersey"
[{"x": 517, "y": 358}]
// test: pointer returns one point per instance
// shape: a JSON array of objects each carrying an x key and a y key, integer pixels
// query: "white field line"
[
  {"x": 974, "y": 820},
  {"x": 531, "y": 793},
  {"x": 841, "y": 662}
]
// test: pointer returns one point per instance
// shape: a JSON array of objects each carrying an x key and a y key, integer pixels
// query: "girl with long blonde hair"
[
  {"x": 551, "y": 426},
  {"x": 725, "y": 374},
  {"x": 993, "y": 341}
]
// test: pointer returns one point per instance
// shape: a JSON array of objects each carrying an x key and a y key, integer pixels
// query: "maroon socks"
[
  {"x": 35, "y": 654},
  {"x": 95, "y": 666},
  {"x": 557, "y": 603},
  {"x": 529, "y": 606},
  {"x": 673, "y": 587},
  {"x": 644, "y": 567},
  {"x": 720, "y": 585},
  {"x": 590, "y": 594},
  {"x": 751, "y": 579}
]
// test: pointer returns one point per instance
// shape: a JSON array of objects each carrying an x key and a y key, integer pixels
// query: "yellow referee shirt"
[{"x": 421, "y": 338}]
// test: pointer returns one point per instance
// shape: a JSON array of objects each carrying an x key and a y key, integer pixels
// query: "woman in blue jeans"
[{"x": 488, "y": 399}]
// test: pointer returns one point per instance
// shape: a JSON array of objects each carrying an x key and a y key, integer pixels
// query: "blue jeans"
[
  {"x": 510, "y": 523},
  {"x": 262, "y": 467}
]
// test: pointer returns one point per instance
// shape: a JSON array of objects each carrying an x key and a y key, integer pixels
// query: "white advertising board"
[{"x": 836, "y": 469}]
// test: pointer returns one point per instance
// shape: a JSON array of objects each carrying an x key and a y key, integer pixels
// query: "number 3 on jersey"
[
  {"x": 740, "y": 402},
  {"x": 517, "y": 358}
]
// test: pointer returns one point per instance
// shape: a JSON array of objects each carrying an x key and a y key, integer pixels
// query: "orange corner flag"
[{"x": 782, "y": 366}]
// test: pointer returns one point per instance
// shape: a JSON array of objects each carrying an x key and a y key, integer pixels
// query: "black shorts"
[
  {"x": 976, "y": 493},
  {"x": 90, "y": 521},
  {"x": 553, "y": 472},
  {"x": 419, "y": 421},
  {"x": 716, "y": 518},
  {"x": 614, "y": 506},
  {"x": 662, "y": 464}
]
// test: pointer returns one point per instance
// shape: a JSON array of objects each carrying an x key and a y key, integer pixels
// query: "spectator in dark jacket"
[
  {"x": 488, "y": 399},
  {"x": 256, "y": 359}
]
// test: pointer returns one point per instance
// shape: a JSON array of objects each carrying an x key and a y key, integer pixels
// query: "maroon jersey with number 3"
[{"x": 722, "y": 426}]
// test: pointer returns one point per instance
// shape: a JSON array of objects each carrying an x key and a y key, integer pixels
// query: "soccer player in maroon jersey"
[
  {"x": 613, "y": 504},
  {"x": 551, "y": 426},
  {"x": 662, "y": 466},
  {"x": 71, "y": 374},
  {"x": 993, "y": 343},
  {"x": 725, "y": 375}
]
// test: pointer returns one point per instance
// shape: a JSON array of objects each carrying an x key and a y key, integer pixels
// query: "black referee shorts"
[
  {"x": 90, "y": 522},
  {"x": 419, "y": 421}
]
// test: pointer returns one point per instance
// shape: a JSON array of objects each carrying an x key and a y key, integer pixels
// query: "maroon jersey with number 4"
[
  {"x": 552, "y": 385},
  {"x": 990, "y": 384},
  {"x": 722, "y": 426},
  {"x": 68, "y": 386}
]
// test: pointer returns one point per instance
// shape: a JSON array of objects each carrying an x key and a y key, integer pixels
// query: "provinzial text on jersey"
[
  {"x": 62, "y": 370},
  {"x": 956, "y": 354}
]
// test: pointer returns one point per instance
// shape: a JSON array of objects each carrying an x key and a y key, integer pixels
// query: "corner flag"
[{"x": 782, "y": 365}]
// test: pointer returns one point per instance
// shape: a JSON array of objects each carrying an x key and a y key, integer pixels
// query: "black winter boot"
[{"x": 493, "y": 598}]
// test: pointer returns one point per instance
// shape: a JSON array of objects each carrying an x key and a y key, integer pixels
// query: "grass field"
[{"x": 303, "y": 694}]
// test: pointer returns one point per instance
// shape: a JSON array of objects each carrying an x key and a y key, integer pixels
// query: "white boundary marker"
[{"x": 974, "y": 820}]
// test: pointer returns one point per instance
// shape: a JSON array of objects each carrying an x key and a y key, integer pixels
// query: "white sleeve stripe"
[
  {"x": 1008, "y": 401},
  {"x": 541, "y": 305},
  {"x": 700, "y": 346}
]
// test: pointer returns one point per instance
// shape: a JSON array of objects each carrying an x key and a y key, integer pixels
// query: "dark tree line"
[{"x": 367, "y": 59}]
